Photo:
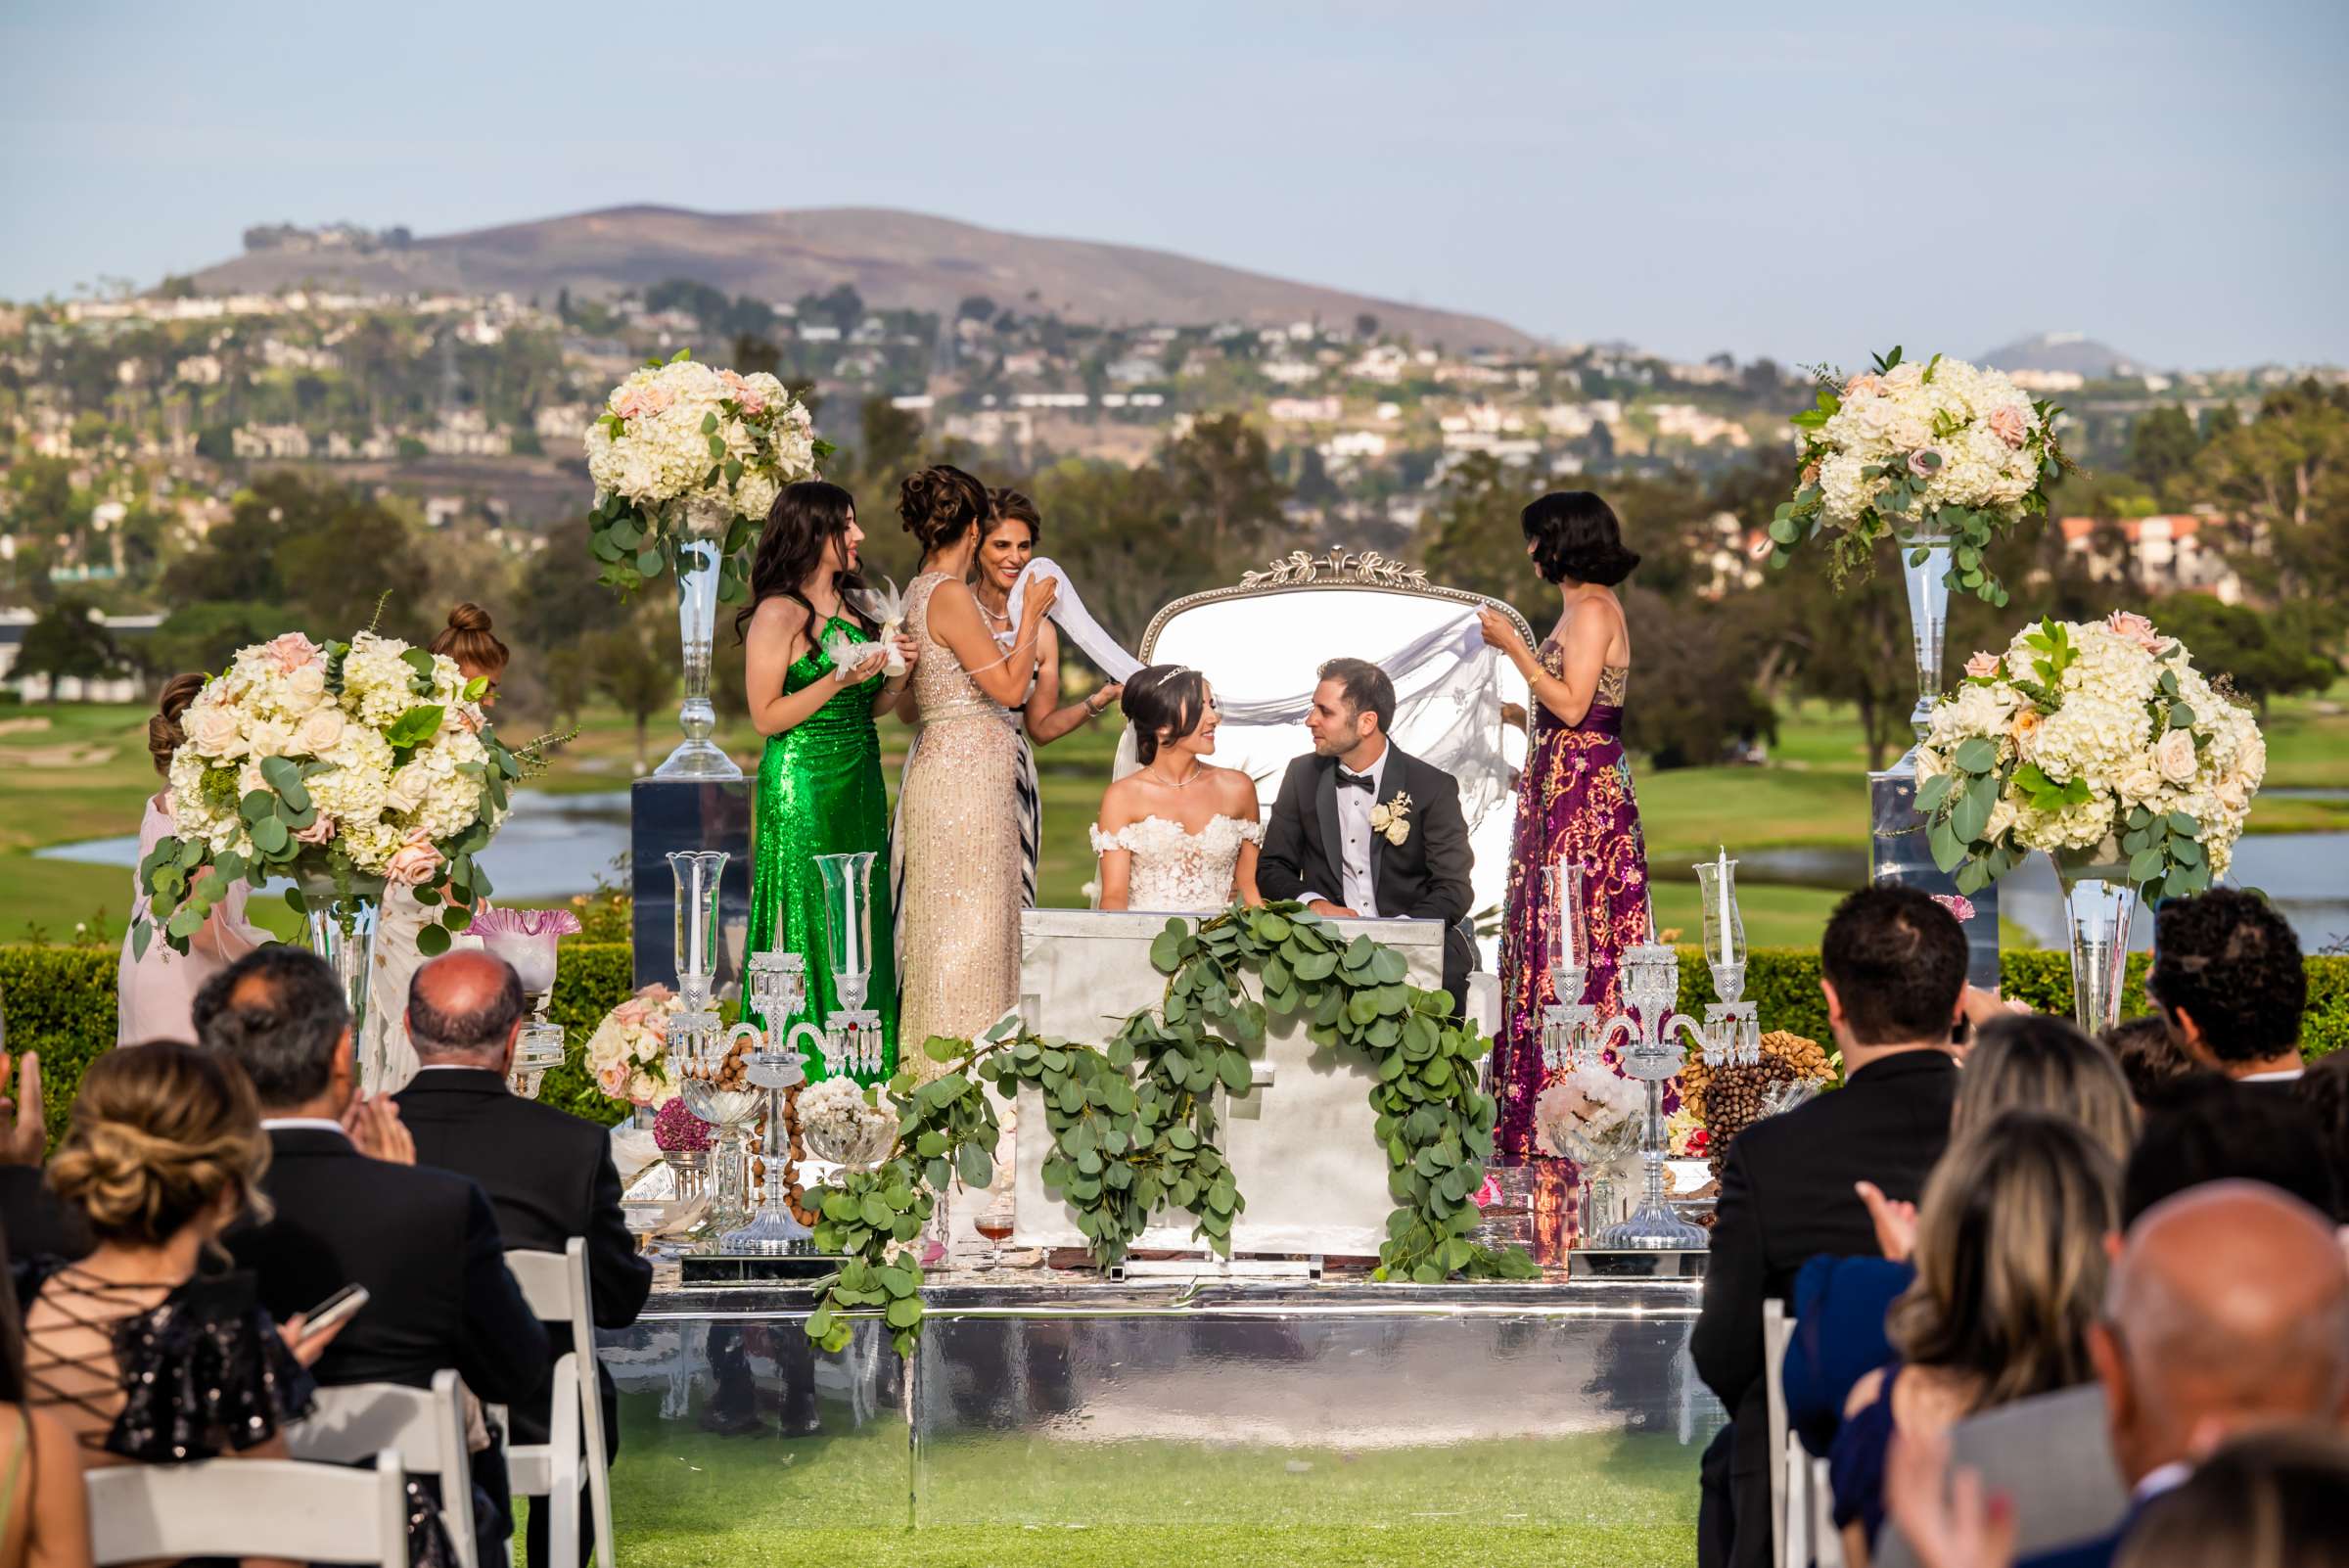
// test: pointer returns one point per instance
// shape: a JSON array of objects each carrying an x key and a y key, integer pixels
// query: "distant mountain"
[
  {"x": 897, "y": 259},
  {"x": 2075, "y": 352}
]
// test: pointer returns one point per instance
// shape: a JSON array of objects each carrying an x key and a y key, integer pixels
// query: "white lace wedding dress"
[{"x": 1179, "y": 872}]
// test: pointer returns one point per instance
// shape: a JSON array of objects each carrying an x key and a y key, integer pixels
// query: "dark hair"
[
  {"x": 806, "y": 517},
  {"x": 2324, "y": 1091},
  {"x": 158, "y": 1133},
  {"x": 2207, "y": 1127},
  {"x": 2037, "y": 1061},
  {"x": 1366, "y": 688},
  {"x": 468, "y": 639},
  {"x": 2271, "y": 1498},
  {"x": 2010, "y": 1261},
  {"x": 431, "y": 1030},
  {"x": 2149, "y": 1054},
  {"x": 1575, "y": 536},
  {"x": 163, "y": 734},
  {"x": 283, "y": 1028},
  {"x": 940, "y": 504},
  {"x": 1897, "y": 961},
  {"x": 1163, "y": 703},
  {"x": 2229, "y": 959},
  {"x": 1007, "y": 505}
]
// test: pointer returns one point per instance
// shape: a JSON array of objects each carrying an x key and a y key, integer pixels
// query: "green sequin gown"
[{"x": 820, "y": 793}]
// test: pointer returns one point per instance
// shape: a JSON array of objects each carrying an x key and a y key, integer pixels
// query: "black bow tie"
[{"x": 1354, "y": 782}]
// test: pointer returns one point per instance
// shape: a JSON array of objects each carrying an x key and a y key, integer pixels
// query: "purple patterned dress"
[{"x": 1575, "y": 796}]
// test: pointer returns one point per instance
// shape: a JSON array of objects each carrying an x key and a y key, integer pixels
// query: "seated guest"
[
  {"x": 2150, "y": 1059},
  {"x": 141, "y": 1359},
  {"x": 32, "y": 1222},
  {"x": 44, "y": 1505},
  {"x": 2019, "y": 1061},
  {"x": 2324, "y": 1091},
  {"x": 2229, "y": 983},
  {"x": 2010, "y": 1267},
  {"x": 2048, "y": 1455},
  {"x": 1893, "y": 971},
  {"x": 548, "y": 1175},
  {"x": 2272, "y": 1498},
  {"x": 423, "y": 1242}
]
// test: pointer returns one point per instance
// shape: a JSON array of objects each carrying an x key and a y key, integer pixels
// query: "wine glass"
[{"x": 994, "y": 1223}]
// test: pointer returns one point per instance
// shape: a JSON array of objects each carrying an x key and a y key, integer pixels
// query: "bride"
[{"x": 1178, "y": 834}]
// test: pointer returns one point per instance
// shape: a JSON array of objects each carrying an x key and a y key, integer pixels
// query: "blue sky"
[{"x": 1803, "y": 181}]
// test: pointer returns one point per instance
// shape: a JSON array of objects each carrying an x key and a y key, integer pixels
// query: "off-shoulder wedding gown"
[{"x": 1177, "y": 870}]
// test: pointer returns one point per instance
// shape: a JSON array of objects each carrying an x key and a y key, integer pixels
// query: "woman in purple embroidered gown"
[{"x": 1575, "y": 796}]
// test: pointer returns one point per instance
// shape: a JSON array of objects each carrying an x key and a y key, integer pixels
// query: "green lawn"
[
  {"x": 683, "y": 1497},
  {"x": 69, "y": 772}
]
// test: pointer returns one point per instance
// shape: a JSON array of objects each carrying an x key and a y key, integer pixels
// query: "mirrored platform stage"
[{"x": 1059, "y": 1400}]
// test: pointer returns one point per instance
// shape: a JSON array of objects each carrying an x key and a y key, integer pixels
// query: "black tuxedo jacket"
[
  {"x": 1425, "y": 877},
  {"x": 33, "y": 1223},
  {"x": 1785, "y": 1197},
  {"x": 425, "y": 1245},
  {"x": 549, "y": 1178}
]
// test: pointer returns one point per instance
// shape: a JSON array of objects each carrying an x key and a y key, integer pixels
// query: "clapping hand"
[
  {"x": 1895, "y": 1221},
  {"x": 23, "y": 1135},
  {"x": 374, "y": 1124},
  {"x": 1946, "y": 1519}
]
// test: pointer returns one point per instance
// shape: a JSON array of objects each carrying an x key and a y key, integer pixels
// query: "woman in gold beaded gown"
[
  {"x": 819, "y": 785},
  {"x": 959, "y": 812}
]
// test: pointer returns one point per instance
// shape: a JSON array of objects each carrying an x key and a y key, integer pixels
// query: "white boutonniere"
[{"x": 1391, "y": 820}]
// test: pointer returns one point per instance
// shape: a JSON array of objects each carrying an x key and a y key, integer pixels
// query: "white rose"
[
  {"x": 407, "y": 788},
  {"x": 269, "y": 738},
  {"x": 305, "y": 688},
  {"x": 214, "y": 732},
  {"x": 2175, "y": 757},
  {"x": 319, "y": 732}
]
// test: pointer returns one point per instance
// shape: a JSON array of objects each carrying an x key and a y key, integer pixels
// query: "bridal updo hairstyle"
[
  {"x": 160, "y": 1133},
  {"x": 1576, "y": 539},
  {"x": 1163, "y": 703},
  {"x": 805, "y": 518},
  {"x": 163, "y": 734},
  {"x": 940, "y": 504},
  {"x": 468, "y": 639}
]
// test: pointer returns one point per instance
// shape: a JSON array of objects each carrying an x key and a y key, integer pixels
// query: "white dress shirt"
[
  {"x": 2282, "y": 1075},
  {"x": 1358, "y": 861},
  {"x": 302, "y": 1124}
]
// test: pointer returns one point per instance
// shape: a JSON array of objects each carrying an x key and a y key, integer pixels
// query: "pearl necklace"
[{"x": 1198, "y": 772}]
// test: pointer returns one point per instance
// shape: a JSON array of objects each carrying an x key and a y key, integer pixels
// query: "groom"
[{"x": 1362, "y": 831}]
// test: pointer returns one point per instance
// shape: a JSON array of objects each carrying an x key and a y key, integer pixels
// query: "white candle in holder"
[{"x": 1720, "y": 881}]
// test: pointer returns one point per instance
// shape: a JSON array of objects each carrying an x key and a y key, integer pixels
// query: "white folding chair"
[
  {"x": 323, "y": 1513},
  {"x": 1828, "y": 1553},
  {"x": 427, "y": 1426},
  {"x": 555, "y": 1285},
  {"x": 1777, "y": 1330}
]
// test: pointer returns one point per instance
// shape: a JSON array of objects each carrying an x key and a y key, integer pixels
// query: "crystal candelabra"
[
  {"x": 713, "y": 1084},
  {"x": 852, "y": 1035},
  {"x": 1646, "y": 1028},
  {"x": 776, "y": 984}
]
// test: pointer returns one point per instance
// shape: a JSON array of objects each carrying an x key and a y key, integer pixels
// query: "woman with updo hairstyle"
[
  {"x": 154, "y": 990},
  {"x": 140, "y": 1355},
  {"x": 1006, "y": 545},
  {"x": 468, "y": 639},
  {"x": 957, "y": 843},
  {"x": 1176, "y": 834},
  {"x": 1574, "y": 794}
]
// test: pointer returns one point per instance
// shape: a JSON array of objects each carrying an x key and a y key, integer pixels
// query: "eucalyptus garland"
[{"x": 1133, "y": 1124}]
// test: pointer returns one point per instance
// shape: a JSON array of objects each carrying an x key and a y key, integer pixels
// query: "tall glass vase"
[
  {"x": 1927, "y": 582},
  {"x": 2098, "y": 904},
  {"x": 697, "y": 755},
  {"x": 344, "y": 934},
  {"x": 849, "y": 923}
]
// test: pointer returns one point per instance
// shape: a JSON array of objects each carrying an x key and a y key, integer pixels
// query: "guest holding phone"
[{"x": 165, "y": 1151}]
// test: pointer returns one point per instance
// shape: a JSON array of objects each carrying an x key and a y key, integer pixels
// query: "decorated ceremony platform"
[{"x": 1059, "y": 1399}]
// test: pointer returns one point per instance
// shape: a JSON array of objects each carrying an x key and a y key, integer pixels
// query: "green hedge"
[{"x": 61, "y": 1003}]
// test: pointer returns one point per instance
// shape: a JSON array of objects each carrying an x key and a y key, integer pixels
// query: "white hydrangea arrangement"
[
  {"x": 346, "y": 766},
  {"x": 1904, "y": 450},
  {"x": 1589, "y": 1113},
  {"x": 841, "y": 1123},
  {"x": 685, "y": 451},
  {"x": 2096, "y": 743}
]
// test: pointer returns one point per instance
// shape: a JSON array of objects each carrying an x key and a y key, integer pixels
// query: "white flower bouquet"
[
  {"x": 1591, "y": 1115},
  {"x": 1907, "y": 450},
  {"x": 2098, "y": 743},
  {"x": 685, "y": 451},
  {"x": 886, "y": 609},
  {"x": 628, "y": 1053},
  {"x": 349, "y": 767},
  {"x": 841, "y": 1123}
]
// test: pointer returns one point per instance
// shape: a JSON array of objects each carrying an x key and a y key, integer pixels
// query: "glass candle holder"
[
  {"x": 849, "y": 923},
  {"x": 1723, "y": 926},
  {"x": 698, "y": 874}
]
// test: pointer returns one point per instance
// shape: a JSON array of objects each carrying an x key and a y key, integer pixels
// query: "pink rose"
[
  {"x": 2005, "y": 422},
  {"x": 1484, "y": 1196},
  {"x": 1919, "y": 465},
  {"x": 291, "y": 651},
  {"x": 321, "y": 829},
  {"x": 632, "y": 1013},
  {"x": 1810, "y": 472},
  {"x": 745, "y": 397},
  {"x": 613, "y": 1079},
  {"x": 413, "y": 863},
  {"x": 1983, "y": 666},
  {"x": 2136, "y": 628},
  {"x": 1864, "y": 385}
]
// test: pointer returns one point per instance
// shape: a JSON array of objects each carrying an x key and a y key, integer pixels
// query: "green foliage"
[
  {"x": 68, "y": 642},
  {"x": 59, "y": 1001}
]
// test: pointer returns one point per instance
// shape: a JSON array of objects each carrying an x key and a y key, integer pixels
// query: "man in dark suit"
[
  {"x": 1893, "y": 967},
  {"x": 423, "y": 1242},
  {"x": 1359, "y": 830},
  {"x": 549, "y": 1175},
  {"x": 32, "y": 1222},
  {"x": 2230, "y": 982}
]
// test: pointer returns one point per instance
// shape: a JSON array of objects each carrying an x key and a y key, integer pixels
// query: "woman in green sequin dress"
[{"x": 819, "y": 782}]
